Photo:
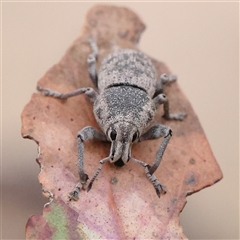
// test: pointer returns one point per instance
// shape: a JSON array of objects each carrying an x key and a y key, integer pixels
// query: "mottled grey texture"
[
  {"x": 128, "y": 66},
  {"x": 124, "y": 104}
]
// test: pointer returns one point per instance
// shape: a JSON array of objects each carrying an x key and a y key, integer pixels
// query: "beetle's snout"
[
  {"x": 120, "y": 154},
  {"x": 122, "y": 135}
]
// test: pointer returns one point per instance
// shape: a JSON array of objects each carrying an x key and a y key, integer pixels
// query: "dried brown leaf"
[{"x": 122, "y": 203}]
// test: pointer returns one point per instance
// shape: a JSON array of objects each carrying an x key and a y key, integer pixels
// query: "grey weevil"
[{"x": 124, "y": 107}]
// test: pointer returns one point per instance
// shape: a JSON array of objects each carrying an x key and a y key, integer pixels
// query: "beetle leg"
[
  {"x": 155, "y": 132},
  {"x": 172, "y": 116},
  {"x": 160, "y": 189},
  {"x": 164, "y": 80},
  {"x": 92, "y": 62},
  {"x": 90, "y": 92},
  {"x": 162, "y": 99},
  {"x": 98, "y": 171},
  {"x": 87, "y": 133}
]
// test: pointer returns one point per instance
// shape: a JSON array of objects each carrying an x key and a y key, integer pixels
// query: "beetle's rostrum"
[{"x": 128, "y": 96}]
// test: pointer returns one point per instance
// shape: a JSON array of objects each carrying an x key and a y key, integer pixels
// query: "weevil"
[{"x": 128, "y": 96}]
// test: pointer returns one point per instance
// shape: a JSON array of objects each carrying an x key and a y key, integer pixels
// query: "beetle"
[{"x": 128, "y": 96}]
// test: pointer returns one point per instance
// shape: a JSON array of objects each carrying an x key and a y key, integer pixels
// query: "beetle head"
[{"x": 122, "y": 135}]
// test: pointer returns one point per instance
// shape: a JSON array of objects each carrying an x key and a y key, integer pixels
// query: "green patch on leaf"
[{"x": 57, "y": 220}]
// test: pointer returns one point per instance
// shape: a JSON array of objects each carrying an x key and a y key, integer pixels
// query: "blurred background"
[{"x": 199, "y": 41}]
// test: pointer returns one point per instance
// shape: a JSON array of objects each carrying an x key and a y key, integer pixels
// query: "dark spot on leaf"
[
  {"x": 123, "y": 34},
  {"x": 191, "y": 179},
  {"x": 113, "y": 180},
  {"x": 192, "y": 161},
  {"x": 30, "y": 131},
  {"x": 183, "y": 152}
]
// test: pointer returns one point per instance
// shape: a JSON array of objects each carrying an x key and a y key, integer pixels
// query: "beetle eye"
[
  {"x": 134, "y": 137},
  {"x": 113, "y": 135}
]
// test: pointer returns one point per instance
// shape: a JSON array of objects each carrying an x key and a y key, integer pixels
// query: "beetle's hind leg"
[
  {"x": 164, "y": 80},
  {"x": 92, "y": 62},
  {"x": 160, "y": 98}
]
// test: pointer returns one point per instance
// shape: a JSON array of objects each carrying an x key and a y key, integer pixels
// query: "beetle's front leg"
[
  {"x": 160, "y": 189},
  {"x": 87, "y": 133},
  {"x": 155, "y": 132}
]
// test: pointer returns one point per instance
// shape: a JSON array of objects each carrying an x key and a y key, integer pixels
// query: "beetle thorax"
[{"x": 124, "y": 104}]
